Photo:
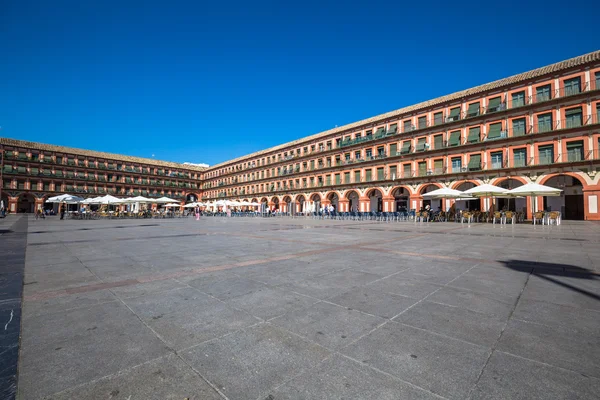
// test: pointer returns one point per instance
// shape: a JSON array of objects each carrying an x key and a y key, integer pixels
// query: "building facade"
[
  {"x": 33, "y": 172},
  {"x": 539, "y": 126}
]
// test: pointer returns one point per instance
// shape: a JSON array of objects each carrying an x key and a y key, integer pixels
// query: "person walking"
[
  {"x": 197, "y": 212},
  {"x": 62, "y": 211}
]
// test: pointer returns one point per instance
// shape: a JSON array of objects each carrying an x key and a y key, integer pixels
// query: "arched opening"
[
  {"x": 26, "y": 203},
  {"x": 315, "y": 199},
  {"x": 275, "y": 201},
  {"x": 334, "y": 200},
  {"x": 301, "y": 200},
  {"x": 570, "y": 201},
  {"x": 264, "y": 205},
  {"x": 376, "y": 200},
  {"x": 435, "y": 204},
  {"x": 190, "y": 198},
  {"x": 471, "y": 205},
  {"x": 401, "y": 197},
  {"x": 352, "y": 197},
  {"x": 511, "y": 204},
  {"x": 287, "y": 205}
]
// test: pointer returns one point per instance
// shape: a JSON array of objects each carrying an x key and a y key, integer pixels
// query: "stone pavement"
[{"x": 309, "y": 309}]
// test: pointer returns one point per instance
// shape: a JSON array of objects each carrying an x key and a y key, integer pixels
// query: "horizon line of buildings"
[{"x": 539, "y": 126}]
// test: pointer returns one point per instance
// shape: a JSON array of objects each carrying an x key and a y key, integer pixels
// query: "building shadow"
[{"x": 550, "y": 272}]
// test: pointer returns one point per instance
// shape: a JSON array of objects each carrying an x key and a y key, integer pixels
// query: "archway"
[
  {"x": 376, "y": 200},
  {"x": 570, "y": 202},
  {"x": 264, "y": 205},
  {"x": 26, "y": 203},
  {"x": 334, "y": 200},
  {"x": 401, "y": 197},
  {"x": 471, "y": 205},
  {"x": 287, "y": 205},
  {"x": 352, "y": 197},
  {"x": 275, "y": 201},
  {"x": 511, "y": 204},
  {"x": 316, "y": 202},
  {"x": 435, "y": 204},
  {"x": 191, "y": 197},
  {"x": 301, "y": 200}
]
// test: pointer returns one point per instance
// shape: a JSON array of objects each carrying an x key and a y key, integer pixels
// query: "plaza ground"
[{"x": 281, "y": 308}]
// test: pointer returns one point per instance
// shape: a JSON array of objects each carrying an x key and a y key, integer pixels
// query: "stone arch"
[
  {"x": 571, "y": 202},
  {"x": 406, "y": 188},
  {"x": 465, "y": 183},
  {"x": 545, "y": 178},
  {"x": 275, "y": 202},
  {"x": 467, "y": 204},
  {"x": 192, "y": 197},
  {"x": 511, "y": 204},
  {"x": 375, "y": 196},
  {"x": 300, "y": 203},
  {"x": 428, "y": 187},
  {"x": 254, "y": 200},
  {"x": 498, "y": 181},
  {"x": 333, "y": 198},
  {"x": 353, "y": 197},
  {"x": 435, "y": 204},
  {"x": 26, "y": 203},
  {"x": 401, "y": 198}
]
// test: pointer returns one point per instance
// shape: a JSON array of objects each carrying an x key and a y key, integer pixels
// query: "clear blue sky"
[{"x": 207, "y": 81}]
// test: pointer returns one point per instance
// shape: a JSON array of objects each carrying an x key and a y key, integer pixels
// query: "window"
[
  {"x": 546, "y": 154},
  {"x": 438, "y": 166},
  {"x": 474, "y": 135},
  {"x": 597, "y": 113},
  {"x": 575, "y": 150},
  {"x": 393, "y": 149},
  {"x": 393, "y": 172},
  {"x": 518, "y": 127},
  {"x": 381, "y": 151},
  {"x": 542, "y": 93},
  {"x": 495, "y": 104},
  {"x": 519, "y": 157},
  {"x": 408, "y": 125},
  {"x": 369, "y": 153},
  {"x": 338, "y": 179},
  {"x": 495, "y": 131},
  {"x": 368, "y": 176},
  {"x": 454, "y": 114},
  {"x": 438, "y": 141},
  {"x": 405, "y": 147},
  {"x": 422, "y": 144},
  {"x": 369, "y": 134},
  {"x": 544, "y": 122},
  {"x": 454, "y": 138},
  {"x": 407, "y": 170},
  {"x": 380, "y": 132},
  {"x": 456, "y": 164},
  {"x": 475, "y": 162},
  {"x": 393, "y": 129},
  {"x": 328, "y": 180},
  {"x": 380, "y": 175},
  {"x": 518, "y": 99},
  {"x": 438, "y": 118},
  {"x": 346, "y": 177},
  {"x": 357, "y": 155},
  {"x": 356, "y": 176},
  {"x": 574, "y": 117},
  {"x": 422, "y": 168},
  {"x": 473, "y": 110},
  {"x": 572, "y": 86},
  {"x": 347, "y": 156},
  {"x": 497, "y": 160}
]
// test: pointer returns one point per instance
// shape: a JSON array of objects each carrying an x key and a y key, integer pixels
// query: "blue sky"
[{"x": 209, "y": 81}]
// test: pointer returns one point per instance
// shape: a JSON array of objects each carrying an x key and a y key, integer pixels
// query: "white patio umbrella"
[
  {"x": 91, "y": 200},
  {"x": 108, "y": 199},
  {"x": 65, "y": 198},
  {"x": 445, "y": 193},
  {"x": 138, "y": 199},
  {"x": 173, "y": 205},
  {"x": 164, "y": 200},
  {"x": 534, "y": 190},
  {"x": 190, "y": 205},
  {"x": 486, "y": 190}
]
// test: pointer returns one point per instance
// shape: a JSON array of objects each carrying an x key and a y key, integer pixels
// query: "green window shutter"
[
  {"x": 379, "y": 174},
  {"x": 473, "y": 109},
  {"x": 393, "y": 129},
  {"x": 454, "y": 138},
  {"x": 346, "y": 177},
  {"x": 474, "y": 135},
  {"x": 545, "y": 122},
  {"x": 438, "y": 141},
  {"x": 368, "y": 175},
  {"x": 494, "y": 104},
  {"x": 542, "y": 93},
  {"x": 338, "y": 179},
  {"x": 573, "y": 111},
  {"x": 438, "y": 166},
  {"x": 405, "y": 147},
  {"x": 574, "y": 145},
  {"x": 454, "y": 114},
  {"x": 572, "y": 86},
  {"x": 34, "y": 171},
  {"x": 575, "y": 151},
  {"x": 407, "y": 126},
  {"x": 518, "y": 99},
  {"x": 422, "y": 122},
  {"x": 546, "y": 154},
  {"x": 574, "y": 117},
  {"x": 422, "y": 168},
  {"x": 495, "y": 131},
  {"x": 421, "y": 144},
  {"x": 438, "y": 118},
  {"x": 393, "y": 149},
  {"x": 406, "y": 169},
  {"x": 393, "y": 172},
  {"x": 475, "y": 162},
  {"x": 518, "y": 126},
  {"x": 380, "y": 132},
  {"x": 356, "y": 176}
]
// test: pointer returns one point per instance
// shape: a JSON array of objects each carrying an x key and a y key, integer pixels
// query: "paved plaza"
[{"x": 282, "y": 308}]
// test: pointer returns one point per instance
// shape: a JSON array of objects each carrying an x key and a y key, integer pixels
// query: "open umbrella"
[
  {"x": 164, "y": 200},
  {"x": 534, "y": 190},
  {"x": 65, "y": 198},
  {"x": 190, "y": 205},
  {"x": 486, "y": 190}
]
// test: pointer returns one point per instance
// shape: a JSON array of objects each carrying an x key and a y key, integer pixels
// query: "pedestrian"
[
  {"x": 2, "y": 211},
  {"x": 62, "y": 211},
  {"x": 197, "y": 212}
]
